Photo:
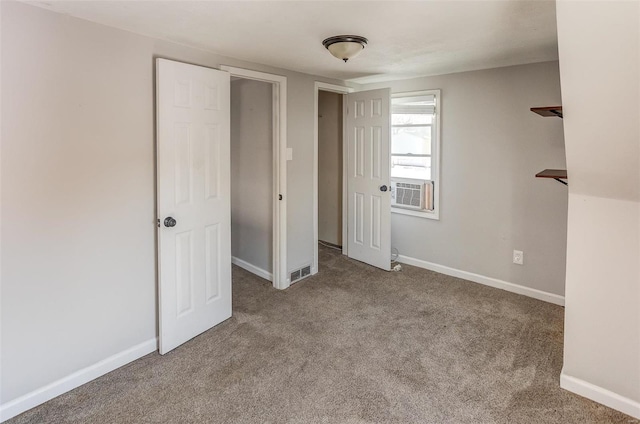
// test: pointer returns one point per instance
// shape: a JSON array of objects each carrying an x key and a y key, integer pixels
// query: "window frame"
[{"x": 435, "y": 155}]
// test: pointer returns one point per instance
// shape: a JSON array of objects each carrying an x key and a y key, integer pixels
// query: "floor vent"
[
  {"x": 305, "y": 271},
  {"x": 295, "y": 275},
  {"x": 299, "y": 274}
]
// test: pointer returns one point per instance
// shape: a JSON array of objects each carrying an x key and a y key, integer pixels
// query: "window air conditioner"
[{"x": 412, "y": 194}]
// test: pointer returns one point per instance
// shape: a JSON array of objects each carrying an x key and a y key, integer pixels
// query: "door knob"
[
  {"x": 383, "y": 188},
  {"x": 169, "y": 222}
]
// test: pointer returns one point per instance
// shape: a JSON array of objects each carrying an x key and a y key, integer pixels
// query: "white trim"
[
  {"x": 345, "y": 172},
  {"x": 487, "y": 281},
  {"x": 252, "y": 268},
  {"x": 280, "y": 280},
  {"x": 420, "y": 214},
  {"x": 76, "y": 379},
  {"x": 340, "y": 89},
  {"x": 316, "y": 89},
  {"x": 1, "y": 115},
  {"x": 600, "y": 395}
]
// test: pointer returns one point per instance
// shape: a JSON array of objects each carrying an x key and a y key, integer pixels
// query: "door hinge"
[
  {"x": 279, "y": 196},
  {"x": 158, "y": 222}
]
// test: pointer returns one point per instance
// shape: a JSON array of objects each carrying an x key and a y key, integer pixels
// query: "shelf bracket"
[
  {"x": 557, "y": 113},
  {"x": 560, "y": 181}
]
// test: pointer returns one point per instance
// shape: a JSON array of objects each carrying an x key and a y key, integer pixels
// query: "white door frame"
[
  {"x": 279, "y": 113},
  {"x": 323, "y": 86}
]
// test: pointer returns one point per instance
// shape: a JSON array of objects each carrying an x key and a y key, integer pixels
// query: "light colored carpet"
[{"x": 351, "y": 345}]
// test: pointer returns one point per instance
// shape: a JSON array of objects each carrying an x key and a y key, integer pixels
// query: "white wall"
[
  {"x": 491, "y": 204},
  {"x": 330, "y": 167},
  {"x": 599, "y": 66},
  {"x": 78, "y": 180},
  {"x": 252, "y": 173}
]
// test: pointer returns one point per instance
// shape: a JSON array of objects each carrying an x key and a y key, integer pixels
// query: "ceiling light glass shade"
[{"x": 345, "y": 47}]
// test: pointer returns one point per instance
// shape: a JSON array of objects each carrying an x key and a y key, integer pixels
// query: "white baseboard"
[
  {"x": 252, "y": 268},
  {"x": 600, "y": 395},
  {"x": 487, "y": 281},
  {"x": 77, "y": 379}
]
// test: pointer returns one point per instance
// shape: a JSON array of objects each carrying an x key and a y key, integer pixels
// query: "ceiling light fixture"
[{"x": 345, "y": 47}]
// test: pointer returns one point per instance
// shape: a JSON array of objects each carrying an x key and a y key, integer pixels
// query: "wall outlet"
[{"x": 518, "y": 257}]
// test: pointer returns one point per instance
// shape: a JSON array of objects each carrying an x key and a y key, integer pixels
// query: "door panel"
[
  {"x": 368, "y": 132},
  {"x": 194, "y": 255},
  {"x": 358, "y": 228}
]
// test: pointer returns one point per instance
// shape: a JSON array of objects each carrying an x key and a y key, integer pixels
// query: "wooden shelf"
[
  {"x": 556, "y": 174},
  {"x": 548, "y": 111},
  {"x": 552, "y": 173}
]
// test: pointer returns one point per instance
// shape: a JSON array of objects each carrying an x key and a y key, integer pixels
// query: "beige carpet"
[{"x": 350, "y": 345}]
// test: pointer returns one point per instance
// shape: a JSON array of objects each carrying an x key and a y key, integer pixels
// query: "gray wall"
[
  {"x": 252, "y": 173},
  {"x": 602, "y": 316},
  {"x": 330, "y": 167},
  {"x": 491, "y": 204},
  {"x": 78, "y": 182}
]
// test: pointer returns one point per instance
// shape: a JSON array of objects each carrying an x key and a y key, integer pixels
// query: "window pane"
[
  {"x": 411, "y": 118},
  {"x": 411, "y": 167},
  {"x": 414, "y": 140}
]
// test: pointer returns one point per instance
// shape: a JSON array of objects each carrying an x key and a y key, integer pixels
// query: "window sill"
[{"x": 420, "y": 214}]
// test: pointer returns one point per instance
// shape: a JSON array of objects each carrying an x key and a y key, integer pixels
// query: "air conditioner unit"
[{"x": 412, "y": 194}]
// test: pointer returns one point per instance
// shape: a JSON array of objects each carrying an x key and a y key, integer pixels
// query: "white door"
[
  {"x": 368, "y": 196},
  {"x": 194, "y": 212}
]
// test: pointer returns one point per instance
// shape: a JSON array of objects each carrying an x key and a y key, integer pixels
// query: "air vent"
[
  {"x": 295, "y": 275},
  {"x": 305, "y": 271},
  {"x": 299, "y": 274}
]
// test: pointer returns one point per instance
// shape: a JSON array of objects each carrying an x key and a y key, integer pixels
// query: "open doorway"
[
  {"x": 252, "y": 176},
  {"x": 252, "y": 90},
  {"x": 329, "y": 169}
]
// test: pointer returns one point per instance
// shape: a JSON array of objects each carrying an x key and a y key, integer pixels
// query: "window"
[{"x": 415, "y": 150}]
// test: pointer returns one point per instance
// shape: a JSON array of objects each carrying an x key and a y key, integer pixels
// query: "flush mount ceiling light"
[{"x": 345, "y": 46}]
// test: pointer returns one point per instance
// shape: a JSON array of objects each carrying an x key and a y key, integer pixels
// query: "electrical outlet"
[{"x": 518, "y": 257}]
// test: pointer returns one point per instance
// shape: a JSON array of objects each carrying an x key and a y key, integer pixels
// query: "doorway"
[
  {"x": 278, "y": 191},
  {"x": 194, "y": 194},
  {"x": 252, "y": 176},
  {"x": 366, "y": 202},
  {"x": 330, "y": 169},
  {"x": 334, "y": 190}
]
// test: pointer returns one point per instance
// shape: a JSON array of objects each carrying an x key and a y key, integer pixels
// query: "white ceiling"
[{"x": 406, "y": 38}]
